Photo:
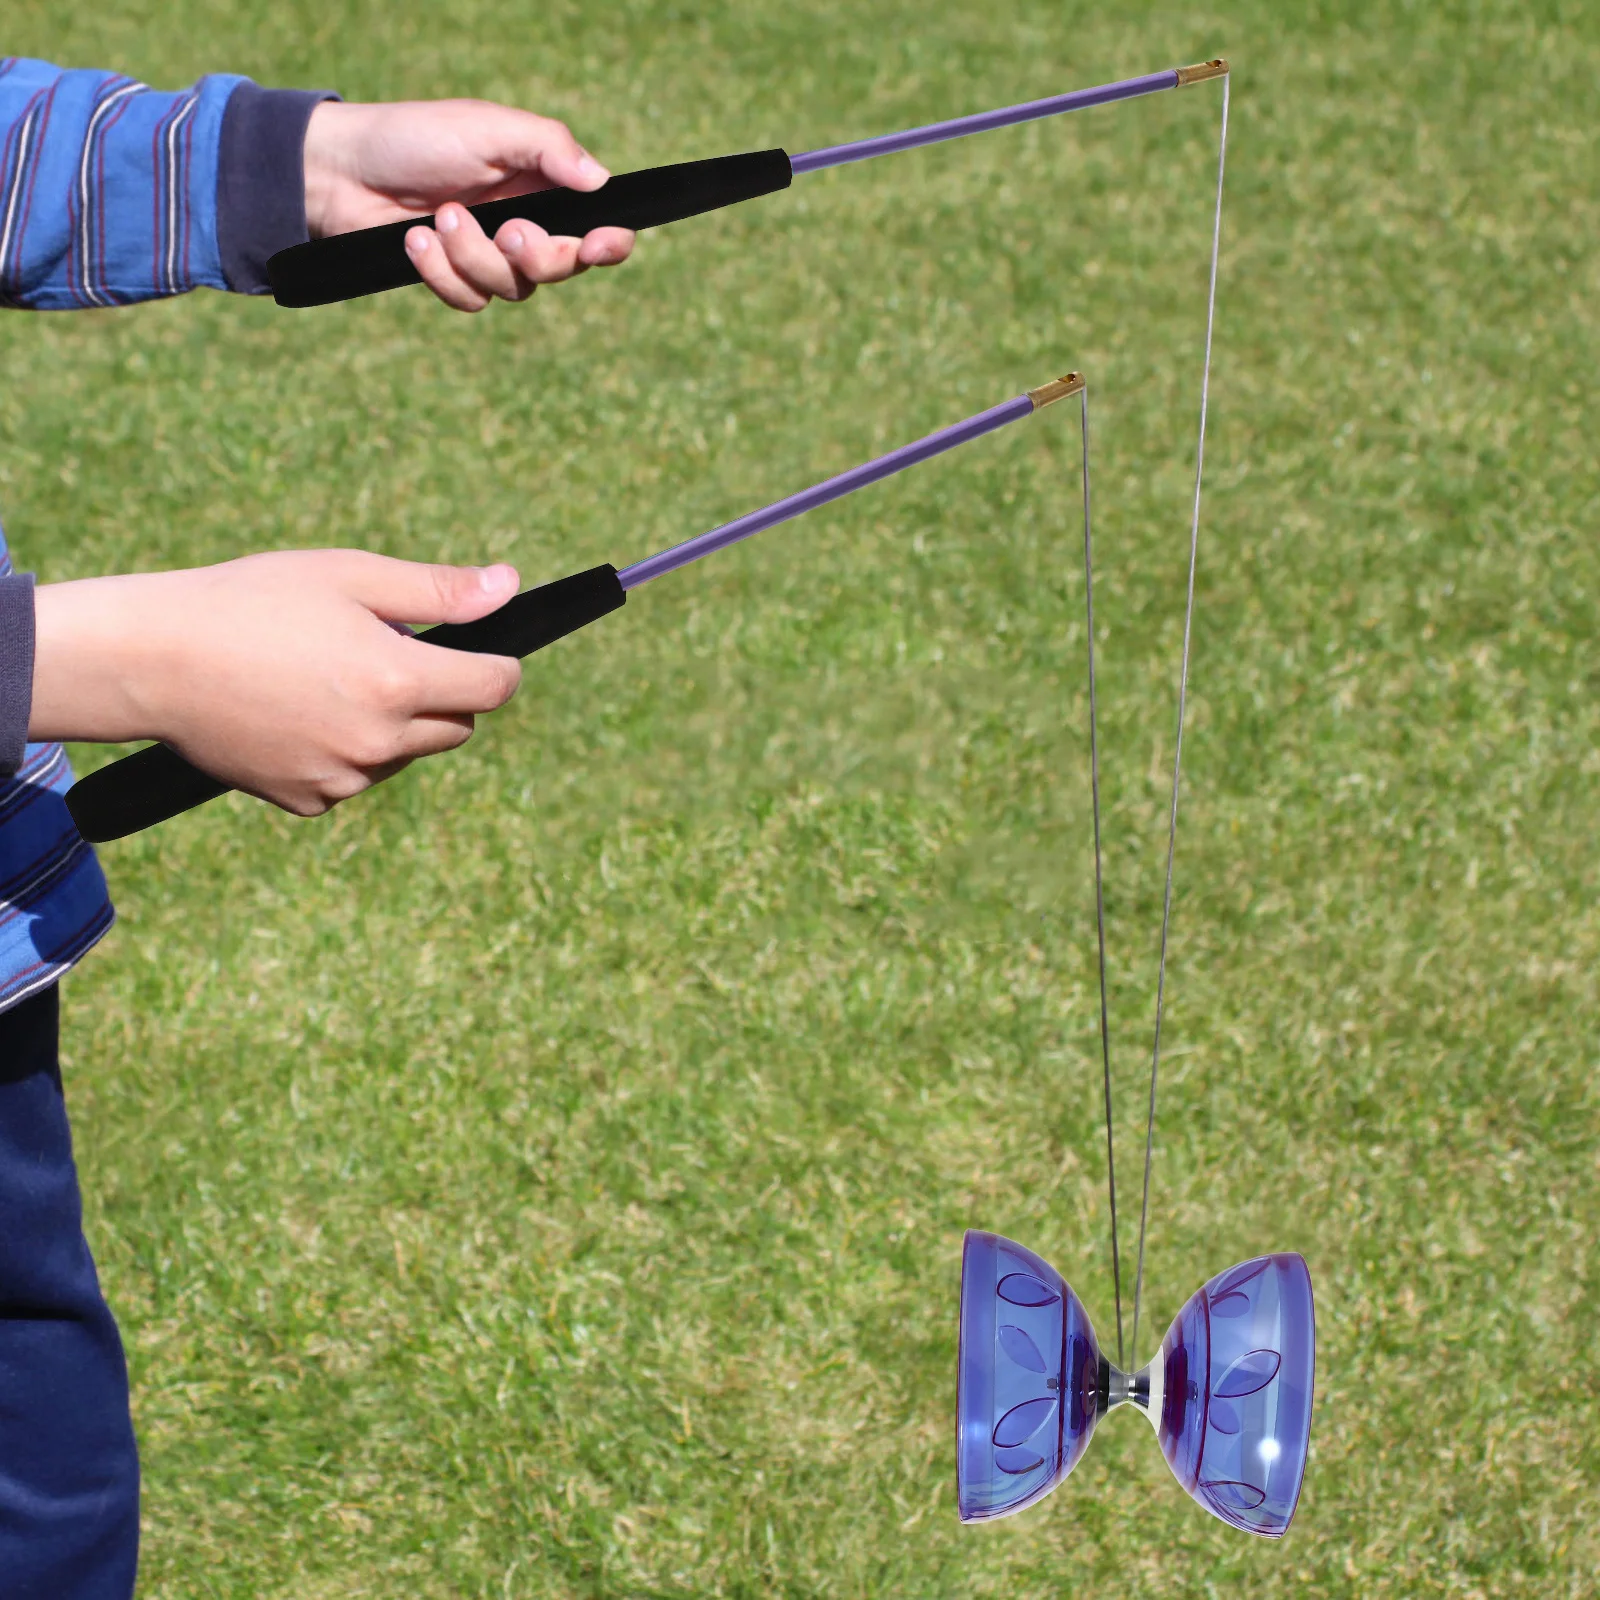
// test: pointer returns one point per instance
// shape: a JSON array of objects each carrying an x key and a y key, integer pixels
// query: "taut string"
[{"x": 1183, "y": 695}]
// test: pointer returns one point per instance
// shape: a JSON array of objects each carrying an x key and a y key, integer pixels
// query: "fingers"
[
  {"x": 467, "y": 270},
  {"x": 459, "y": 263},
  {"x": 426, "y": 736},
  {"x": 607, "y": 247},
  {"x": 452, "y": 683},
  {"x": 538, "y": 258},
  {"x": 416, "y": 725},
  {"x": 423, "y": 736},
  {"x": 421, "y": 679}
]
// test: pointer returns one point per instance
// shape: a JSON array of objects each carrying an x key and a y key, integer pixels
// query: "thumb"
[
  {"x": 425, "y": 591},
  {"x": 543, "y": 145}
]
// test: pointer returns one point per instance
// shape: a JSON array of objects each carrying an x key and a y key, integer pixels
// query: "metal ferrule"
[
  {"x": 1057, "y": 389},
  {"x": 1201, "y": 72}
]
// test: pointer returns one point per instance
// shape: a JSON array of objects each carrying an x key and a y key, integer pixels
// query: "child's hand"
[
  {"x": 370, "y": 164},
  {"x": 277, "y": 673}
]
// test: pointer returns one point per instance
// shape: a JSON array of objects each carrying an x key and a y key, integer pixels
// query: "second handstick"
[{"x": 156, "y": 783}]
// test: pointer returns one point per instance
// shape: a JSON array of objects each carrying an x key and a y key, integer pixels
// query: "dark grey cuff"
[
  {"x": 261, "y": 179},
  {"x": 16, "y": 667}
]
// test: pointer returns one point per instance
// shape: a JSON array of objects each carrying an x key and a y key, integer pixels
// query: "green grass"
[{"x": 546, "y": 1175}]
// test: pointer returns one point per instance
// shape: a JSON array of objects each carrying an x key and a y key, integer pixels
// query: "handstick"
[
  {"x": 156, "y": 783},
  {"x": 346, "y": 266}
]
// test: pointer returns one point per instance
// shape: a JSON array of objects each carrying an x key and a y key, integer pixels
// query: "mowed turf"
[{"x": 546, "y": 1175}]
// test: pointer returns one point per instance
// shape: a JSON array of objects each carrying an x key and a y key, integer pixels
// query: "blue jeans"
[{"x": 69, "y": 1469}]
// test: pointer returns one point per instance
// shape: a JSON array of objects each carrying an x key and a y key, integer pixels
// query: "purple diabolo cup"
[{"x": 1228, "y": 1392}]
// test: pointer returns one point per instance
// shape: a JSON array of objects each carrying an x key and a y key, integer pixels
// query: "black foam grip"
[
  {"x": 536, "y": 617},
  {"x": 345, "y": 266},
  {"x": 156, "y": 783}
]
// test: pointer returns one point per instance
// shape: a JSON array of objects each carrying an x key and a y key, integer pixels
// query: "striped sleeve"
[
  {"x": 108, "y": 189},
  {"x": 53, "y": 899}
]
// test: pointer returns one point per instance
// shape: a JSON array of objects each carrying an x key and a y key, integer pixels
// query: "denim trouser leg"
[{"x": 69, "y": 1470}]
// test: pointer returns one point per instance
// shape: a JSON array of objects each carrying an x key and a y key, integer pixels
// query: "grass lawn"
[{"x": 546, "y": 1176}]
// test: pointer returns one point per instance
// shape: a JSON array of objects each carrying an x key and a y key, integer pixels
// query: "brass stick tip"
[
  {"x": 1201, "y": 71},
  {"x": 1058, "y": 389}
]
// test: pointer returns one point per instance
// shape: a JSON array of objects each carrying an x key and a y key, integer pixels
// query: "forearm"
[{"x": 92, "y": 663}]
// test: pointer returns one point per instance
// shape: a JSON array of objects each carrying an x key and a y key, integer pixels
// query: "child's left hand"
[{"x": 370, "y": 164}]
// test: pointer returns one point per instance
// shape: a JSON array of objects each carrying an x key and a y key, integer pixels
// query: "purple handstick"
[
  {"x": 163, "y": 784},
  {"x": 838, "y": 155},
  {"x": 680, "y": 555},
  {"x": 370, "y": 260}
]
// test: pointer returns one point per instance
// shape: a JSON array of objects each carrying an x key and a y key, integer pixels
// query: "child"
[{"x": 111, "y": 192}]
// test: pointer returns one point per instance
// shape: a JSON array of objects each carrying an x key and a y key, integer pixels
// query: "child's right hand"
[{"x": 278, "y": 674}]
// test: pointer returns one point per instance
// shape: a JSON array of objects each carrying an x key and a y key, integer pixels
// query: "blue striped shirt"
[{"x": 111, "y": 193}]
